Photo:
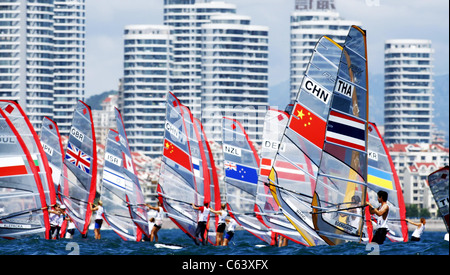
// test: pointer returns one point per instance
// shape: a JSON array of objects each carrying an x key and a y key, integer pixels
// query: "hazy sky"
[{"x": 382, "y": 19}]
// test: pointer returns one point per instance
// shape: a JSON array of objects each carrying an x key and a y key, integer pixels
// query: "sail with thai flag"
[
  {"x": 438, "y": 183},
  {"x": 293, "y": 174},
  {"x": 121, "y": 193},
  {"x": 241, "y": 167},
  {"x": 266, "y": 208},
  {"x": 78, "y": 188},
  {"x": 340, "y": 193},
  {"x": 23, "y": 205}
]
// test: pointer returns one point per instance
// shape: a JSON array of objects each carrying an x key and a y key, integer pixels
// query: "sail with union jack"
[{"x": 78, "y": 158}]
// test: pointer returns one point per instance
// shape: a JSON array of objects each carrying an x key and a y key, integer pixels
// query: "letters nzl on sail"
[{"x": 235, "y": 151}]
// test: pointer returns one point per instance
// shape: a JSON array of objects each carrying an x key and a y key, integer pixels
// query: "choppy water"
[{"x": 243, "y": 243}]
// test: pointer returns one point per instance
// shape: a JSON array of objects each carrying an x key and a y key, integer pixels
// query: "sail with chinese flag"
[{"x": 292, "y": 178}]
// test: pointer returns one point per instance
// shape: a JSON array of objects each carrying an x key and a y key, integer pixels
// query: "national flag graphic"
[
  {"x": 308, "y": 125},
  {"x": 78, "y": 158},
  {"x": 230, "y": 165},
  {"x": 12, "y": 166},
  {"x": 243, "y": 173},
  {"x": 380, "y": 178},
  {"x": 346, "y": 131},
  {"x": 174, "y": 153},
  {"x": 127, "y": 163},
  {"x": 284, "y": 169},
  {"x": 196, "y": 166}
]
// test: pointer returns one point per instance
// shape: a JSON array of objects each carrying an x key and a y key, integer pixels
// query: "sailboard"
[
  {"x": 438, "y": 183},
  {"x": 382, "y": 176},
  {"x": 211, "y": 189},
  {"x": 241, "y": 166},
  {"x": 302, "y": 141},
  {"x": 178, "y": 188},
  {"x": 340, "y": 193},
  {"x": 23, "y": 206},
  {"x": 78, "y": 188},
  {"x": 121, "y": 193},
  {"x": 23, "y": 125},
  {"x": 267, "y": 210}
]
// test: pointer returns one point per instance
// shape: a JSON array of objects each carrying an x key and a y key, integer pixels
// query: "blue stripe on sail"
[{"x": 346, "y": 130}]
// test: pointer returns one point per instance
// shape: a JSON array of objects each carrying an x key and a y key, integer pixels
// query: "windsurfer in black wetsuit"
[{"x": 202, "y": 220}]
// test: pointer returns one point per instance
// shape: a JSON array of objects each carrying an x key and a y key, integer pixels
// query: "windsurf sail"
[
  {"x": 341, "y": 186},
  {"x": 382, "y": 176},
  {"x": 302, "y": 142},
  {"x": 178, "y": 188},
  {"x": 266, "y": 208},
  {"x": 241, "y": 166},
  {"x": 438, "y": 182},
  {"x": 121, "y": 193},
  {"x": 211, "y": 189},
  {"x": 23, "y": 206},
  {"x": 53, "y": 148},
  {"x": 78, "y": 187},
  {"x": 23, "y": 125}
]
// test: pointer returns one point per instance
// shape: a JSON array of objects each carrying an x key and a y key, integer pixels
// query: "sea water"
[{"x": 243, "y": 243}]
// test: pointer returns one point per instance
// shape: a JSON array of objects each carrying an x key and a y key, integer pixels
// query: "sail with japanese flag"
[
  {"x": 23, "y": 125},
  {"x": 78, "y": 187},
  {"x": 340, "y": 193},
  {"x": 266, "y": 208},
  {"x": 382, "y": 176},
  {"x": 177, "y": 187},
  {"x": 241, "y": 167},
  {"x": 121, "y": 193},
  {"x": 23, "y": 205},
  {"x": 293, "y": 174},
  {"x": 52, "y": 144},
  {"x": 438, "y": 183}
]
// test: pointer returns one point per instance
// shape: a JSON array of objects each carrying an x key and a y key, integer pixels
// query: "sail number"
[{"x": 77, "y": 134}]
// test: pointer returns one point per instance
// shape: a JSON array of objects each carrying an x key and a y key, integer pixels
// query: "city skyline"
[{"x": 106, "y": 21}]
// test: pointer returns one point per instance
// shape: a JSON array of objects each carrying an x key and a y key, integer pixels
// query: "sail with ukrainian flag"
[
  {"x": 382, "y": 176},
  {"x": 78, "y": 187},
  {"x": 301, "y": 146},
  {"x": 241, "y": 166},
  {"x": 340, "y": 192}
]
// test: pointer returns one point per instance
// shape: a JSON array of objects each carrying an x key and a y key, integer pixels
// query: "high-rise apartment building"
[
  {"x": 186, "y": 18},
  {"x": 69, "y": 60},
  {"x": 148, "y": 63},
  {"x": 311, "y": 20},
  {"x": 235, "y": 71},
  {"x": 214, "y": 61},
  {"x": 408, "y": 92},
  {"x": 38, "y": 56}
]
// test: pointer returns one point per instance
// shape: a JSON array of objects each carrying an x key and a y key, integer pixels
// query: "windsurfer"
[
  {"x": 382, "y": 212},
  {"x": 56, "y": 218},
  {"x": 202, "y": 220},
  {"x": 158, "y": 221},
  {"x": 419, "y": 230},
  {"x": 98, "y": 219},
  {"x": 221, "y": 224},
  {"x": 230, "y": 231}
]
